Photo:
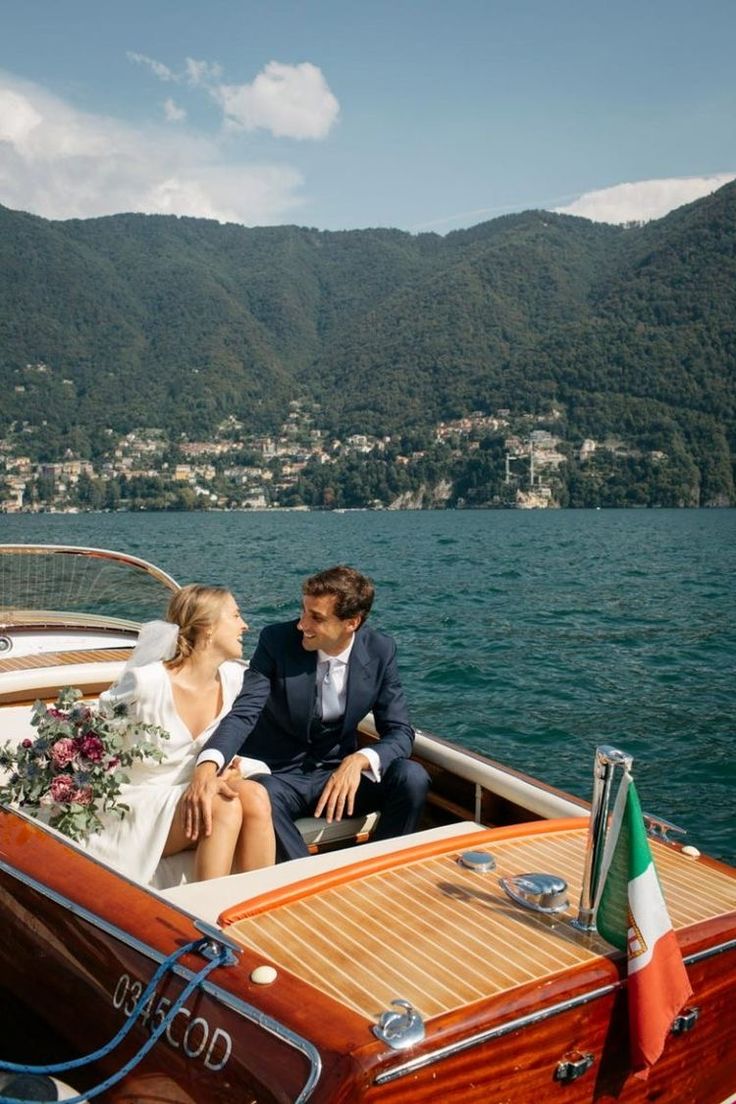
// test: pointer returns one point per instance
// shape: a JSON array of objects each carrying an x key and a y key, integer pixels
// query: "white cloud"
[
  {"x": 18, "y": 118},
  {"x": 202, "y": 72},
  {"x": 173, "y": 112},
  {"x": 61, "y": 163},
  {"x": 194, "y": 72},
  {"x": 292, "y": 101},
  {"x": 645, "y": 199},
  {"x": 157, "y": 67},
  {"x": 224, "y": 194}
]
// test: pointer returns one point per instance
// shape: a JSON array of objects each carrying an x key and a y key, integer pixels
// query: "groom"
[{"x": 309, "y": 684}]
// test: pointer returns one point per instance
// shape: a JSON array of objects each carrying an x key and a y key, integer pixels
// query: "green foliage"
[
  {"x": 74, "y": 768},
  {"x": 134, "y": 321}
]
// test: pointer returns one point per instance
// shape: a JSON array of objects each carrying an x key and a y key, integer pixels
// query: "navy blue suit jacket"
[{"x": 271, "y": 718}]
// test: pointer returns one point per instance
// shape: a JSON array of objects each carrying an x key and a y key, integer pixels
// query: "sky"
[{"x": 424, "y": 115}]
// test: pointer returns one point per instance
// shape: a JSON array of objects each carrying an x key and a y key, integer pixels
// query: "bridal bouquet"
[{"x": 75, "y": 767}]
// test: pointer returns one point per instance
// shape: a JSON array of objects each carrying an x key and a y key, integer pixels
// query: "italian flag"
[{"x": 631, "y": 914}]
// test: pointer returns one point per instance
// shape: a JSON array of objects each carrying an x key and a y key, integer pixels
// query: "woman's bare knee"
[
  {"x": 254, "y": 801},
  {"x": 227, "y": 814}
]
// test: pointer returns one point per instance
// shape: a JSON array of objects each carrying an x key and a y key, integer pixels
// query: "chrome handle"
[
  {"x": 658, "y": 827},
  {"x": 686, "y": 1021},
  {"x": 401, "y": 1028},
  {"x": 569, "y": 1069}
]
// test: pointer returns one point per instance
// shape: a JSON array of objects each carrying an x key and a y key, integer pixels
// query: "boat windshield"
[{"x": 44, "y": 580}]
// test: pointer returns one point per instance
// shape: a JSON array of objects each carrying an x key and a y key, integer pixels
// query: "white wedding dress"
[{"x": 134, "y": 845}]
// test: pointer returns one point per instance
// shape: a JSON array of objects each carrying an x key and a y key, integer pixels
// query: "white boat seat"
[
  {"x": 316, "y": 832},
  {"x": 40, "y": 681}
]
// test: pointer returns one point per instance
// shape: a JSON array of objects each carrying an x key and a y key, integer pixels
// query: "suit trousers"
[{"x": 399, "y": 797}]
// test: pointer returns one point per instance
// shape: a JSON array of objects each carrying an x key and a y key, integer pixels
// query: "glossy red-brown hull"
[
  {"x": 698, "y": 1067},
  {"x": 82, "y": 979}
]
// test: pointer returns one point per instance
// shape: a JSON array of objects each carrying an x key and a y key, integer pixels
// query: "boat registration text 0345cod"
[{"x": 193, "y": 1036}]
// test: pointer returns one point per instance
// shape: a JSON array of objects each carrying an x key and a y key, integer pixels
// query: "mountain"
[{"x": 139, "y": 320}]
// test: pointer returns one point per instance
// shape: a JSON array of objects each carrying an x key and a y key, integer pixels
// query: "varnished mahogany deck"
[
  {"x": 442, "y": 936},
  {"x": 42, "y": 674},
  {"x": 62, "y": 659}
]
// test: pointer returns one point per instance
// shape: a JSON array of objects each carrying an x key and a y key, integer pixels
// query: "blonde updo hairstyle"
[{"x": 196, "y": 609}]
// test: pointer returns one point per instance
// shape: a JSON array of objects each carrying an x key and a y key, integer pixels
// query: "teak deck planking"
[{"x": 442, "y": 936}]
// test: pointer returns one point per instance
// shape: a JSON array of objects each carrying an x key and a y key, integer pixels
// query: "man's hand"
[
  {"x": 231, "y": 772},
  {"x": 338, "y": 796},
  {"x": 197, "y": 804}
]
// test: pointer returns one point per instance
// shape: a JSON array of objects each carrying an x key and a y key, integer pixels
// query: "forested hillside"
[{"x": 130, "y": 321}]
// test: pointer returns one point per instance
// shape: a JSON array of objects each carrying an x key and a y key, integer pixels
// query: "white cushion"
[
  {"x": 317, "y": 830},
  {"x": 179, "y": 869}
]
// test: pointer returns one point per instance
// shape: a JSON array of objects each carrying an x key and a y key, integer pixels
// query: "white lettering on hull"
[{"x": 194, "y": 1037}]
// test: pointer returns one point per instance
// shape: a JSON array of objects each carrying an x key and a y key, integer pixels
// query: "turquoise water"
[{"x": 529, "y": 636}]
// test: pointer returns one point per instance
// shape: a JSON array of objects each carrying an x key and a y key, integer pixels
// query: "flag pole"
[{"x": 607, "y": 758}]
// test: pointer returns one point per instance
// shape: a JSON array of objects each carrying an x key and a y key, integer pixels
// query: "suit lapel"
[
  {"x": 361, "y": 681},
  {"x": 299, "y": 680}
]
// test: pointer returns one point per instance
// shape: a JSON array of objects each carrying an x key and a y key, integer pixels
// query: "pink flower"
[
  {"x": 93, "y": 748},
  {"x": 63, "y": 751},
  {"x": 72, "y": 768},
  {"x": 62, "y": 788}
]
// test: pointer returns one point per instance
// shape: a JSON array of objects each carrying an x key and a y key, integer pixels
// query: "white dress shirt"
[
  {"x": 337, "y": 667},
  {"x": 339, "y": 678}
]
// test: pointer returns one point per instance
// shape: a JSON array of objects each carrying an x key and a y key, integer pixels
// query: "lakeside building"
[{"x": 238, "y": 470}]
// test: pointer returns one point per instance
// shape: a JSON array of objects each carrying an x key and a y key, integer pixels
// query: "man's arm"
[
  {"x": 391, "y": 714},
  {"x": 237, "y": 725},
  {"x": 223, "y": 744}
]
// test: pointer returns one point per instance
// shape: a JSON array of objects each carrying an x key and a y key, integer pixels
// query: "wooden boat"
[{"x": 368, "y": 972}]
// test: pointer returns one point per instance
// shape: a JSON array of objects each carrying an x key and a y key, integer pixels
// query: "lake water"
[{"x": 530, "y": 636}]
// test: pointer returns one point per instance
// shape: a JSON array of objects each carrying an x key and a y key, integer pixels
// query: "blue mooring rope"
[
  {"x": 75, "y": 1063},
  {"x": 222, "y": 957}
]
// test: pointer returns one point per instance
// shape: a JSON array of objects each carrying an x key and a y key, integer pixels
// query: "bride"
[{"x": 184, "y": 676}]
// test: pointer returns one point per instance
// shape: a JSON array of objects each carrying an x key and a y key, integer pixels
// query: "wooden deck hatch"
[{"x": 442, "y": 936}]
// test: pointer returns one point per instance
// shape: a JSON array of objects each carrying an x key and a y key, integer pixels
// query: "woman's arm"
[{"x": 126, "y": 691}]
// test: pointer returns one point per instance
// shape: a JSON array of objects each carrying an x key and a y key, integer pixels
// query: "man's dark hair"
[{"x": 353, "y": 592}]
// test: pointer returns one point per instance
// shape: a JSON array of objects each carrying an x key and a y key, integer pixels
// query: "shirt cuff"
[
  {"x": 374, "y": 769},
  {"x": 212, "y": 756}
]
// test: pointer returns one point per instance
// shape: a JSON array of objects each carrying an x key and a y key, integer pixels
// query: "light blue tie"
[{"x": 330, "y": 699}]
